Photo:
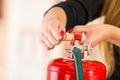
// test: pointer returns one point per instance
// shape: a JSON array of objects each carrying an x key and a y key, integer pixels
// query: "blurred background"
[{"x": 21, "y": 55}]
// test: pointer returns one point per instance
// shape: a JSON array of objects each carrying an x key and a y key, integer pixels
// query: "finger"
[
  {"x": 46, "y": 41},
  {"x": 91, "y": 40},
  {"x": 80, "y": 29},
  {"x": 54, "y": 31},
  {"x": 51, "y": 38},
  {"x": 43, "y": 44}
]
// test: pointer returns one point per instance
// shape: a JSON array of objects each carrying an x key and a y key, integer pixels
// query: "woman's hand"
[
  {"x": 99, "y": 32},
  {"x": 52, "y": 28}
]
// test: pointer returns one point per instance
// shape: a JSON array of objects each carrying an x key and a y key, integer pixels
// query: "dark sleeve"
[{"x": 79, "y": 12}]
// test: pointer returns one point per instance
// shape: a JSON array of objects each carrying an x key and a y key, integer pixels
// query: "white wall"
[{"x": 26, "y": 59}]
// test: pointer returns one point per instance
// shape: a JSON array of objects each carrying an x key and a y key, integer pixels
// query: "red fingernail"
[
  {"x": 62, "y": 32},
  {"x": 70, "y": 31}
]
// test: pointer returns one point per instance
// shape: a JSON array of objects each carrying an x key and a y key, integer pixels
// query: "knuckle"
[
  {"x": 51, "y": 47},
  {"x": 59, "y": 38},
  {"x": 53, "y": 24}
]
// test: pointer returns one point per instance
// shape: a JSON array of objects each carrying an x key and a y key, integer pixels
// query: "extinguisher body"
[{"x": 64, "y": 69}]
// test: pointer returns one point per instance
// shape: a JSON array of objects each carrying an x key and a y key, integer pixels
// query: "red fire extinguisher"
[{"x": 64, "y": 68}]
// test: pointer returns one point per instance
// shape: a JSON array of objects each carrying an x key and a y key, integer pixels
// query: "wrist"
[{"x": 114, "y": 36}]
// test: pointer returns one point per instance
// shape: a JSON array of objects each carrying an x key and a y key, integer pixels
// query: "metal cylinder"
[{"x": 64, "y": 69}]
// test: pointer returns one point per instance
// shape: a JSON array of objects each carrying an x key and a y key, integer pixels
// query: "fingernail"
[
  {"x": 62, "y": 32},
  {"x": 70, "y": 31}
]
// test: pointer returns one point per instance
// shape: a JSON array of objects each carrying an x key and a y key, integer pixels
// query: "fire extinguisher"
[{"x": 66, "y": 68}]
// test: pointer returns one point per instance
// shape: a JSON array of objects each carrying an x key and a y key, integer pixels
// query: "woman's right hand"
[{"x": 52, "y": 28}]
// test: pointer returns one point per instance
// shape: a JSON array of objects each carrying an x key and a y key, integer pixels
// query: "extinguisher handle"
[{"x": 78, "y": 62}]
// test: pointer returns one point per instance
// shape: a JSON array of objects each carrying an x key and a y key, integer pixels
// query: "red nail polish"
[
  {"x": 70, "y": 31},
  {"x": 62, "y": 32}
]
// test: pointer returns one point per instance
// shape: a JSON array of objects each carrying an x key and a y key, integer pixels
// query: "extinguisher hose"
[{"x": 78, "y": 63}]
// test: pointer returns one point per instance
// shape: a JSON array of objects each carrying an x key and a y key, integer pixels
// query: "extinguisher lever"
[
  {"x": 78, "y": 62},
  {"x": 82, "y": 47}
]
